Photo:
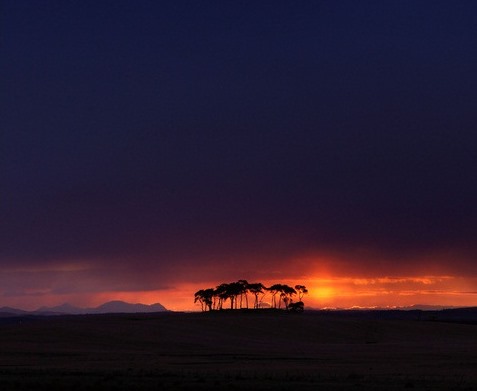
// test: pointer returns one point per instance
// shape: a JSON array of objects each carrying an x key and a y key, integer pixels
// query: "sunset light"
[
  {"x": 238, "y": 195},
  {"x": 150, "y": 149}
]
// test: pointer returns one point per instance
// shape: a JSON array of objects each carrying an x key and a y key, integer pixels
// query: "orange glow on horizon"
[
  {"x": 326, "y": 289},
  {"x": 321, "y": 293}
]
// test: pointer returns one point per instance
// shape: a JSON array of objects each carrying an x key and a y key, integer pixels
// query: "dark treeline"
[{"x": 238, "y": 294}]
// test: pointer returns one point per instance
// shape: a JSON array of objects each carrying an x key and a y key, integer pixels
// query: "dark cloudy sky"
[{"x": 148, "y": 146}]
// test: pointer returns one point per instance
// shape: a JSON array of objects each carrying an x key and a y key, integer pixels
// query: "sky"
[{"x": 149, "y": 149}]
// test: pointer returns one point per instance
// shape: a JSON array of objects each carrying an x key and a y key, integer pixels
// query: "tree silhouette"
[
  {"x": 214, "y": 299},
  {"x": 244, "y": 290},
  {"x": 256, "y": 289},
  {"x": 301, "y": 290},
  {"x": 208, "y": 296},
  {"x": 286, "y": 295},
  {"x": 274, "y": 289},
  {"x": 222, "y": 293},
  {"x": 204, "y": 297},
  {"x": 198, "y": 297},
  {"x": 234, "y": 289}
]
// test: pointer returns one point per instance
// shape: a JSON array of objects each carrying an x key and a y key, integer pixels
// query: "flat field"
[{"x": 250, "y": 350}]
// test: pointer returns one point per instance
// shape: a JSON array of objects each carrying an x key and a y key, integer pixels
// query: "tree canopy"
[{"x": 237, "y": 293}]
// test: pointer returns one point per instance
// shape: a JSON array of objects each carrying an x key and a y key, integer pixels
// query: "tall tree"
[
  {"x": 208, "y": 296},
  {"x": 199, "y": 297},
  {"x": 204, "y": 297},
  {"x": 222, "y": 292},
  {"x": 256, "y": 289},
  {"x": 301, "y": 290},
  {"x": 286, "y": 294},
  {"x": 244, "y": 292},
  {"x": 274, "y": 289},
  {"x": 234, "y": 289}
]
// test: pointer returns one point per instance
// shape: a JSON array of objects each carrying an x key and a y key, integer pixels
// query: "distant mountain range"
[
  {"x": 68, "y": 309},
  {"x": 419, "y": 307}
]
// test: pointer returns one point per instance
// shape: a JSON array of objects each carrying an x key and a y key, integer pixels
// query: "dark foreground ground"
[{"x": 238, "y": 351}]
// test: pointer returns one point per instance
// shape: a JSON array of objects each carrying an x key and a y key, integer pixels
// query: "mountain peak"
[
  {"x": 123, "y": 307},
  {"x": 115, "y": 306}
]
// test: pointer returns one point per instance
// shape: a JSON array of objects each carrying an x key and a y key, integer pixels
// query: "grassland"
[{"x": 262, "y": 350}]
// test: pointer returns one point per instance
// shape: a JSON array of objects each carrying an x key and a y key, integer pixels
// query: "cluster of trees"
[{"x": 237, "y": 293}]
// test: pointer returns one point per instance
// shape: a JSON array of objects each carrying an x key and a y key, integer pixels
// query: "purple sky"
[{"x": 149, "y": 145}]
